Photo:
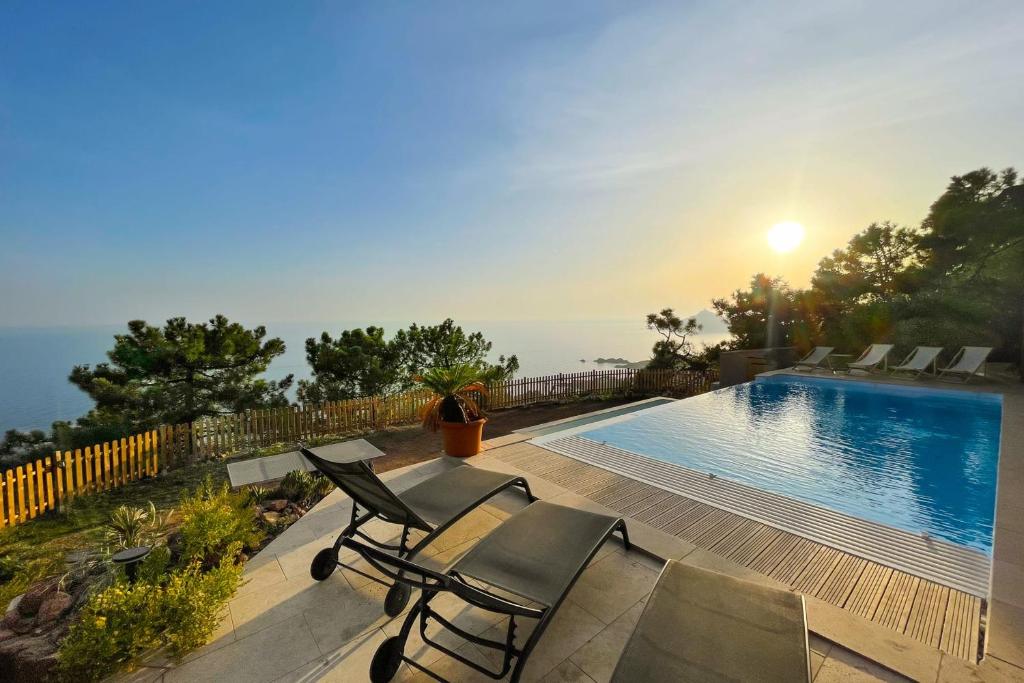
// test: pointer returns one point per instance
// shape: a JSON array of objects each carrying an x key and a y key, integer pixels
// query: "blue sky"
[{"x": 386, "y": 161}]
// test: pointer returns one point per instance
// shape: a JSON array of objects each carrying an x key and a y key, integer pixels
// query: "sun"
[{"x": 786, "y": 236}]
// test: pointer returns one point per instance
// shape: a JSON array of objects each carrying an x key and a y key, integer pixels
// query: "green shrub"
[
  {"x": 214, "y": 521},
  {"x": 113, "y": 629},
  {"x": 303, "y": 487},
  {"x": 257, "y": 494},
  {"x": 125, "y": 621},
  {"x": 129, "y": 526}
]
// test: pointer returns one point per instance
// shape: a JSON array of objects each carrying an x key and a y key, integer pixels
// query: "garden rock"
[
  {"x": 271, "y": 517},
  {"x": 34, "y": 596},
  {"x": 54, "y": 605},
  {"x": 27, "y": 659},
  {"x": 275, "y": 505}
]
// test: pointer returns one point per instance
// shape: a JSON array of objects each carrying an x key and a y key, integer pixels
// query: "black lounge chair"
[
  {"x": 430, "y": 506},
  {"x": 536, "y": 554}
]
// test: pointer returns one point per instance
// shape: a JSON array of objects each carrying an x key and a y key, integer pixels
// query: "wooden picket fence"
[{"x": 30, "y": 490}]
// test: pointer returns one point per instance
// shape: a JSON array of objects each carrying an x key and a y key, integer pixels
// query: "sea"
[{"x": 35, "y": 361}]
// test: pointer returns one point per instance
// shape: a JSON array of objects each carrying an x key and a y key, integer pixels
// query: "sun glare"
[{"x": 786, "y": 236}]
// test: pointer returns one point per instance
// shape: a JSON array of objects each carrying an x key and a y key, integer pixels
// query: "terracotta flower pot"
[{"x": 462, "y": 440}]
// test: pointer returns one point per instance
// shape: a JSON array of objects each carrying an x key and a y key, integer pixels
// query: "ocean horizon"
[{"x": 35, "y": 361}]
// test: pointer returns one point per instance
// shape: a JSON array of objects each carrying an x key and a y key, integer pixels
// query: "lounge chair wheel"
[
  {"x": 396, "y": 599},
  {"x": 386, "y": 660},
  {"x": 323, "y": 564}
]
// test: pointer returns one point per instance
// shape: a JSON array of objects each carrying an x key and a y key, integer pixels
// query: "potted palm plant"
[{"x": 454, "y": 409}]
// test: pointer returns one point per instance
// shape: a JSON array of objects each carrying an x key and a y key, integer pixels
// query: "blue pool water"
[{"x": 915, "y": 459}]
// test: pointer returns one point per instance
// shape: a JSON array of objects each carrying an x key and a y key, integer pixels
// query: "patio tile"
[
  {"x": 1009, "y": 544},
  {"x": 338, "y": 619},
  {"x": 295, "y": 562},
  {"x": 260, "y": 576},
  {"x": 991, "y": 670},
  {"x": 1006, "y": 632},
  {"x": 571, "y": 627},
  {"x": 846, "y": 667},
  {"x": 567, "y": 672},
  {"x": 1008, "y": 583},
  {"x": 610, "y": 587},
  {"x": 449, "y": 669},
  {"x": 332, "y": 518},
  {"x": 261, "y": 657},
  {"x": 911, "y": 657},
  {"x": 260, "y": 610},
  {"x": 598, "y": 657},
  {"x": 350, "y": 663}
]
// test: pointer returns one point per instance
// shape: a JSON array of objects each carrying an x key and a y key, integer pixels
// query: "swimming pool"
[{"x": 916, "y": 459}]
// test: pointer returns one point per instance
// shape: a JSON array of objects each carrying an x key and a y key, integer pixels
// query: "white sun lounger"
[
  {"x": 968, "y": 362},
  {"x": 918, "y": 362},
  {"x": 873, "y": 356},
  {"x": 813, "y": 360}
]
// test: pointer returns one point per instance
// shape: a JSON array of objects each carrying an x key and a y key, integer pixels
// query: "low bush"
[
  {"x": 214, "y": 520},
  {"x": 125, "y": 621},
  {"x": 177, "y": 599},
  {"x": 304, "y": 488}
]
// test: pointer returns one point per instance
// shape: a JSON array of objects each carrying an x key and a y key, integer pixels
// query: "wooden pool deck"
[{"x": 940, "y": 617}]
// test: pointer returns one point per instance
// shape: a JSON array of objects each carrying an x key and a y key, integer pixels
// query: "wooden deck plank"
[
  {"x": 665, "y": 511},
  {"x": 756, "y": 544},
  {"x": 740, "y": 535},
  {"x": 676, "y": 517},
  {"x": 595, "y": 483},
  {"x": 641, "y": 494},
  {"x": 773, "y": 555},
  {"x": 867, "y": 592},
  {"x": 617, "y": 491},
  {"x": 693, "y": 525},
  {"x": 927, "y": 612},
  {"x": 718, "y": 531},
  {"x": 571, "y": 471},
  {"x": 644, "y": 504},
  {"x": 793, "y": 562},
  {"x": 960, "y": 626},
  {"x": 818, "y": 570},
  {"x": 837, "y": 589},
  {"x": 894, "y": 607}
]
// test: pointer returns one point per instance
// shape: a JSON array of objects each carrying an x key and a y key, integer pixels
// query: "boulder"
[
  {"x": 271, "y": 517},
  {"x": 275, "y": 505},
  {"x": 34, "y": 596},
  {"x": 54, "y": 605},
  {"x": 27, "y": 659},
  {"x": 10, "y": 619}
]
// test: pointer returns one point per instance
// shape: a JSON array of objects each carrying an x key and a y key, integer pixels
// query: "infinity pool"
[{"x": 916, "y": 459}]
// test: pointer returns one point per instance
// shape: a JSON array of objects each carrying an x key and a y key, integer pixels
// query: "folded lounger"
[
  {"x": 700, "y": 625},
  {"x": 871, "y": 358},
  {"x": 918, "y": 362},
  {"x": 968, "y": 362},
  {"x": 430, "y": 506},
  {"x": 813, "y": 360},
  {"x": 536, "y": 554}
]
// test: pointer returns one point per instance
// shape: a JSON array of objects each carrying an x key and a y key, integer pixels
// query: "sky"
[{"x": 294, "y": 161}]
